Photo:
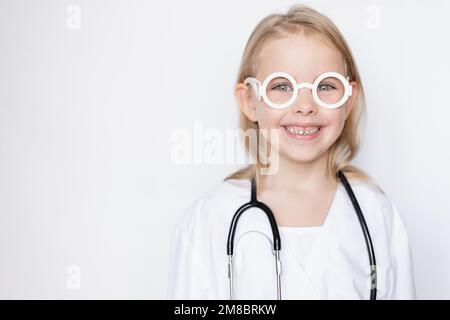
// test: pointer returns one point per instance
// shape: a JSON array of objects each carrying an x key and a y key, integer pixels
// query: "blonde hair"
[{"x": 301, "y": 18}]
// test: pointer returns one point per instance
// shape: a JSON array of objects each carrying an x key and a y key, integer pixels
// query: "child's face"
[{"x": 305, "y": 58}]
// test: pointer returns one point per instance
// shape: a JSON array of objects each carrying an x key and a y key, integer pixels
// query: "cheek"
[
  {"x": 268, "y": 117},
  {"x": 339, "y": 118},
  {"x": 335, "y": 116},
  {"x": 336, "y": 121}
]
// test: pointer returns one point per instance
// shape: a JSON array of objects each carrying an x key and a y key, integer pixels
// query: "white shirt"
[
  {"x": 299, "y": 240},
  {"x": 336, "y": 266}
]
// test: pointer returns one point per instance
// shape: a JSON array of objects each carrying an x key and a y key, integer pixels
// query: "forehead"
[{"x": 304, "y": 57}]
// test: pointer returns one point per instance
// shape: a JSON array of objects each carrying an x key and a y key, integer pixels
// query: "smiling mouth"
[{"x": 302, "y": 131}]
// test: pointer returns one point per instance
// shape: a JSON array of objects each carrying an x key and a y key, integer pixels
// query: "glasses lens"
[
  {"x": 279, "y": 90},
  {"x": 330, "y": 90}
]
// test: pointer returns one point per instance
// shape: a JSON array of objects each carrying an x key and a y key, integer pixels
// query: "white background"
[{"x": 89, "y": 193}]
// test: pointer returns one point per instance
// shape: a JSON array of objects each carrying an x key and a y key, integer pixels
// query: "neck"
[{"x": 302, "y": 176}]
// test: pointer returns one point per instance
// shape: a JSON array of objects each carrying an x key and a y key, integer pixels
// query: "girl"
[{"x": 324, "y": 254}]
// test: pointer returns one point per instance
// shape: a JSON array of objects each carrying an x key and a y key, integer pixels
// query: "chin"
[{"x": 302, "y": 156}]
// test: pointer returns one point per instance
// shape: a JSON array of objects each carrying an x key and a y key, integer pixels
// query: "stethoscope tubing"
[{"x": 254, "y": 203}]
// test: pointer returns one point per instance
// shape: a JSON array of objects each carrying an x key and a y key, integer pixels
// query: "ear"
[
  {"x": 243, "y": 95},
  {"x": 352, "y": 99}
]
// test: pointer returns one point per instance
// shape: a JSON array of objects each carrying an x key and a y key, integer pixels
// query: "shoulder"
[
  {"x": 215, "y": 206},
  {"x": 390, "y": 240},
  {"x": 368, "y": 192},
  {"x": 377, "y": 205}
]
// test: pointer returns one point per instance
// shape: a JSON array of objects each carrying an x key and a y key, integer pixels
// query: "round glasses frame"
[{"x": 260, "y": 90}]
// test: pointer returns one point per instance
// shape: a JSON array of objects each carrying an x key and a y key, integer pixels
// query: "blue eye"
[
  {"x": 282, "y": 87},
  {"x": 325, "y": 87}
]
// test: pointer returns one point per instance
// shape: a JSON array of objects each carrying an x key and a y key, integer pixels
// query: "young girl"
[{"x": 324, "y": 253}]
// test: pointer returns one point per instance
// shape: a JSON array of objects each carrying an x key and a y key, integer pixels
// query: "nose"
[{"x": 304, "y": 103}]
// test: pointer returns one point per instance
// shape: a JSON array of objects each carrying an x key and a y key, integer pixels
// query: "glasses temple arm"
[{"x": 255, "y": 84}]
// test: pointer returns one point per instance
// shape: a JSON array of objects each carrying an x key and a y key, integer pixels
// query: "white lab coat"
[{"x": 337, "y": 266}]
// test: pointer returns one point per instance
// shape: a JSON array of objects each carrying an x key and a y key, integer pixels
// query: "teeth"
[{"x": 302, "y": 132}]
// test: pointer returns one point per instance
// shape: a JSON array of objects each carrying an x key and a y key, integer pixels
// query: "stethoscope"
[{"x": 276, "y": 236}]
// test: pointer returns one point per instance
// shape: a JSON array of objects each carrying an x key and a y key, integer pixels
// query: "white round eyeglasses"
[{"x": 279, "y": 90}]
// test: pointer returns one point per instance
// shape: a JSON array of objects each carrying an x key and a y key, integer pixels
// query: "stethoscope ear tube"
[
  {"x": 254, "y": 203},
  {"x": 365, "y": 229}
]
